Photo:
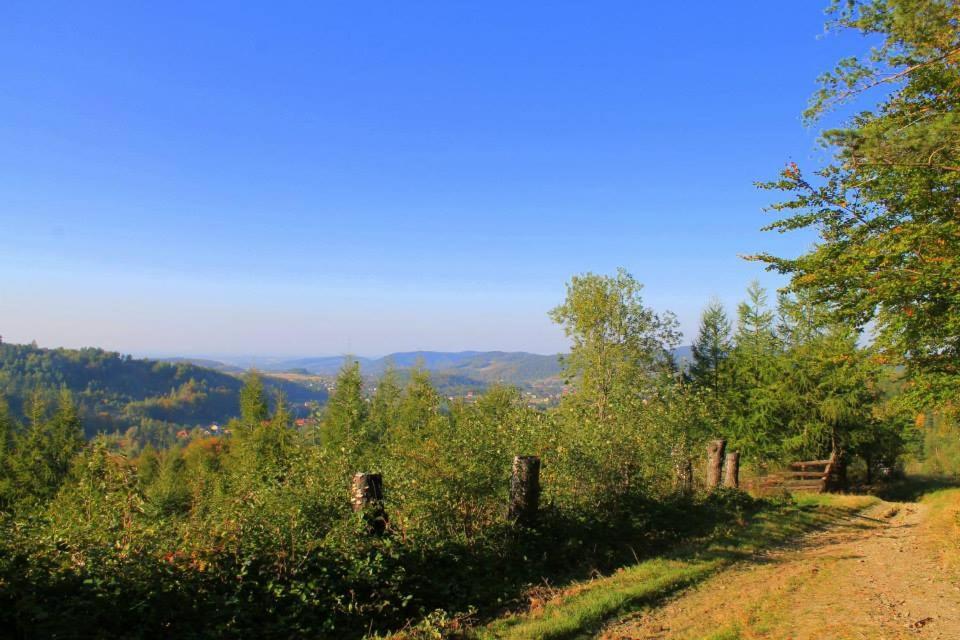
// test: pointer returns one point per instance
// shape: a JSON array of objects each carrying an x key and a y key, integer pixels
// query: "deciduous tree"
[{"x": 887, "y": 206}]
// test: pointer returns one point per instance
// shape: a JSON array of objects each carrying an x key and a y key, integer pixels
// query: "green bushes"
[{"x": 253, "y": 534}]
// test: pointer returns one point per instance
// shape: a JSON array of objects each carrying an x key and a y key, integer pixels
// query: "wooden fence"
[
  {"x": 815, "y": 476},
  {"x": 723, "y": 468}
]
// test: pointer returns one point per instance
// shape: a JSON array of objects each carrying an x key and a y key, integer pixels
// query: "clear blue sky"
[{"x": 316, "y": 177}]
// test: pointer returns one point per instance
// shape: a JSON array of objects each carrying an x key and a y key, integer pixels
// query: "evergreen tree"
[
  {"x": 346, "y": 414},
  {"x": 148, "y": 465},
  {"x": 169, "y": 494},
  {"x": 756, "y": 427},
  {"x": 8, "y": 432},
  {"x": 253, "y": 402},
  {"x": 419, "y": 405},
  {"x": 711, "y": 350},
  {"x": 45, "y": 451},
  {"x": 270, "y": 447},
  {"x": 66, "y": 434},
  {"x": 385, "y": 404},
  {"x": 829, "y": 389}
]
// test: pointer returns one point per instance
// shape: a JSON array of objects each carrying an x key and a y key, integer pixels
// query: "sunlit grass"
[{"x": 583, "y": 609}]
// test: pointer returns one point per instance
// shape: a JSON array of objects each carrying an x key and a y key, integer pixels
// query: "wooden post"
[
  {"x": 731, "y": 474},
  {"x": 524, "y": 489},
  {"x": 366, "y": 497},
  {"x": 715, "y": 450}
]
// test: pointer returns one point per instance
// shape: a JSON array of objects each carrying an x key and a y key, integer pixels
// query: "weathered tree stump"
[
  {"x": 731, "y": 474},
  {"x": 524, "y": 489},
  {"x": 366, "y": 498},
  {"x": 715, "y": 449}
]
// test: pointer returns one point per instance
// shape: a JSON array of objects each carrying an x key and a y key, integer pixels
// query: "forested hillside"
[{"x": 118, "y": 393}]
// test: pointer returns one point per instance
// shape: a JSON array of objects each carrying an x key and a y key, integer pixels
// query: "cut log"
[
  {"x": 731, "y": 476},
  {"x": 524, "y": 489},
  {"x": 366, "y": 498},
  {"x": 715, "y": 451}
]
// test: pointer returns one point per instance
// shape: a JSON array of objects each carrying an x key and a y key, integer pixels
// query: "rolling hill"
[
  {"x": 116, "y": 392},
  {"x": 471, "y": 370}
]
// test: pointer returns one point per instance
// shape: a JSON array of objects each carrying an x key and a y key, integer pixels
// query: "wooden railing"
[{"x": 816, "y": 476}]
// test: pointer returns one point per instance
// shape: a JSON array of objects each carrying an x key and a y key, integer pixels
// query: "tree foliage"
[
  {"x": 711, "y": 351},
  {"x": 887, "y": 207},
  {"x": 252, "y": 532}
]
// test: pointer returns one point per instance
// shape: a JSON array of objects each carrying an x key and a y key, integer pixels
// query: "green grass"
[
  {"x": 583, "y": 609},
  {"x": 726, "y": 634}
]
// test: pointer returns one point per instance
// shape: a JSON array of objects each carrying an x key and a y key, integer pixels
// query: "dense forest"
[
  {"x": 254, "y": 534},
  {"x": 141, "y": 401}
]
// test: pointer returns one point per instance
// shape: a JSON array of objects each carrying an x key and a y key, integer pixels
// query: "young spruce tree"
[{"x": 712, "y": 350}]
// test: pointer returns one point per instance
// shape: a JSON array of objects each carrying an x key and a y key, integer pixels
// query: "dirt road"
[{"x": 888, "y": 573}]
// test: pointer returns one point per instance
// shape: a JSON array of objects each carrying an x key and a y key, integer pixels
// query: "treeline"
[
  {"x": 36, "y": 458},
  {"x": 254, "y": 534},
  {"x": 141, "y": 401},
  {"x": 790, "y": 382}
]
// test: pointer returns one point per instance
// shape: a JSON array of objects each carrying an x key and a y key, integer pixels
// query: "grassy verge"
[
  {"x": 582, "y": 609},
  {"x": 943, "y": 525}
]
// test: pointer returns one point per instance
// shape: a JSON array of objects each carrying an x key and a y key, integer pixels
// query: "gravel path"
[{"x": 878, "y": 575}]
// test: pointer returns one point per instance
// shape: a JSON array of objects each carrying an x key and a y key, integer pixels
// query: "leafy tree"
[
  {"x": 885, "y": 207},
  {"x": 711, "y": 350},
  {"x": 618, "y": 344}
]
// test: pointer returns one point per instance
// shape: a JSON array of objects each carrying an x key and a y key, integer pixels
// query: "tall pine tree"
[
  {"x": 712, "y": 350},
  {"x": 253, "y": 402},
  {"x": 345, "y": 417},
  {"x": 755, "y": 365}
]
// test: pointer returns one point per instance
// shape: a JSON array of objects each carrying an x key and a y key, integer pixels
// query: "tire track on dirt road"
[{"x": 881, "y": 574}]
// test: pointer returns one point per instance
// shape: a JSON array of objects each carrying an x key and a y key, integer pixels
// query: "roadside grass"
[
  {"x": 584, "y": 608},
  {"x": 943, "y": 523}
]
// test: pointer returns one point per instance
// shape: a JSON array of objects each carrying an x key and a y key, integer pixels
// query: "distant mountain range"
[
  {"x": 474, "y": 369},
  {"x": 468, "y": 368}
]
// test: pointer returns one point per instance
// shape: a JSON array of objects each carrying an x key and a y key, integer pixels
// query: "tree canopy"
[{"x": 887, "y": 206}]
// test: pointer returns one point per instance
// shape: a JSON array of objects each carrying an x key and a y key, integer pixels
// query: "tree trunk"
[
  {"x": 366, "y": 498},
  {"x": 715, "y": 451},
  {"x": 731, "y": 476},
  {"x": 524, "y": 489}
]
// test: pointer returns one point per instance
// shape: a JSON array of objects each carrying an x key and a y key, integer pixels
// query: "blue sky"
[{"x": 319, "y": 178}]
